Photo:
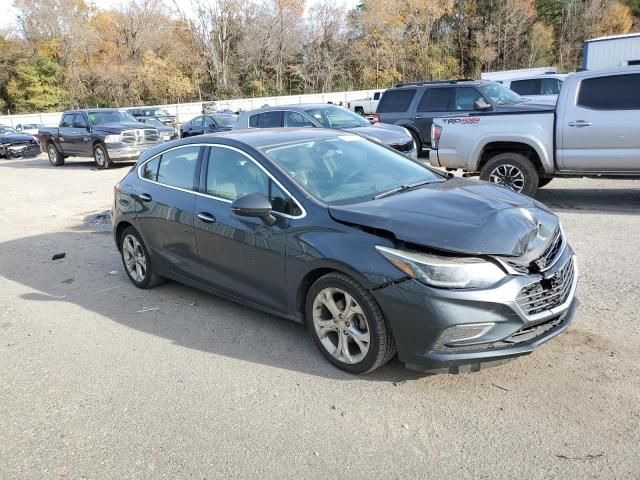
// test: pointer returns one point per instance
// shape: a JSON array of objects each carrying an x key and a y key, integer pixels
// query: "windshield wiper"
[{"x": 402, "y": 188}]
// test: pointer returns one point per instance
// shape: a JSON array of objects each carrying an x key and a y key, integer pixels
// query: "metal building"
[{"x": 613, "y": 51}]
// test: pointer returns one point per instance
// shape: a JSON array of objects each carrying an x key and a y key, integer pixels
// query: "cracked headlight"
[{"x": 444, "y": 272}]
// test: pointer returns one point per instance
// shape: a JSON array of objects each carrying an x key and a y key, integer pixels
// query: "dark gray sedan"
[
  {"x": 322, "y": 115},
  {"x": 375, "y": 252}
]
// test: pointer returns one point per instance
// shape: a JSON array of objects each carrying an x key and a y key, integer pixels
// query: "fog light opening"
[{"x": 462, "y": 333}]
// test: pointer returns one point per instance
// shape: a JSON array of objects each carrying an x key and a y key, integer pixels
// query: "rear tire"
[
  {"x": 136, "y": 260},
  {"x": 347, "y": 325},
  {"x": 101, "y": 157},
  {"x": 55, "y": 157},
  {"x": 359, "y": 111},
  {"x": 512, "y": 170}
]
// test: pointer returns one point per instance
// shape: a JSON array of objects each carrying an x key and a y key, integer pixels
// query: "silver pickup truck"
[{"x": 593, "y": 131}]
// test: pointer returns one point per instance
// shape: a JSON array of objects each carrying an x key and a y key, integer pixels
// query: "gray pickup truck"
[
  {"x": 107, "y": 135},
  {"x": 593, "y": 131}
]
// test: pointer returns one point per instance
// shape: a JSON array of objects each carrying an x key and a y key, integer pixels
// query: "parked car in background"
[
  {"x": 366, "y": 106},
  {"x": 166, "y": 132},
  {"x": 209, "y": 107},
  {"x": 593, "y": 131},
  {"x": 29, "y": 128},
  {"x": 414, "y": 105},
  {"x": 106, "y": 134},
  {"x": 154, "y": 112},
  {"x": 322, "y": 115},
  {"x": 540, "y": 88},
  {"x": 14, "y": 144},
  {"x": 375, "y": 252},
  {"x": 213, "y": 123}
]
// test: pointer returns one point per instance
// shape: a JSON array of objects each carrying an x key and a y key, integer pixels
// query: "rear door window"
[
  {"x": 396, "y": 100},
  {"x": 527, "y": 87},
  {"x": 614, "y": 92},
  {"x": 150, "y": 170},
  {"x": 435, "y": 100},
  {"x": 551, "y": 86},
  {"x": 67, "y": 120},
  {"x": 197, "y": 122},
  {"x": 178, "y": 167}
]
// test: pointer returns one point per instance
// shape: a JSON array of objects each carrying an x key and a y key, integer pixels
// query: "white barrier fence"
[{"x": 186, "y": 111}]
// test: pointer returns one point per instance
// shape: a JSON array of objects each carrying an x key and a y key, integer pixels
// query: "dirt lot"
[{"x": 101, "y": 380}]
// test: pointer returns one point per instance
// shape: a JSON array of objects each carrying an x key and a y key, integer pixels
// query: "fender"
[{"x": 527, "y": 139}]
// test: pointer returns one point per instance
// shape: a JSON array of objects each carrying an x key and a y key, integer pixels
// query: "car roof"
[
  {"x": 606, "y": 71},
  {"x": 261, "y": 137},
  {"x": 441, "y": 83}
]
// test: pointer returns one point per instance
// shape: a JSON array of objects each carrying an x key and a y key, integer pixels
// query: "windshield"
[
  {"x": 347, "y": 169},
  {"x": 8, "y": 131},
  {"x": 225, "y": 120},
  {"x": 500, "y": 94},
  {"x": 337, "y": 117},
  {"x": 104, "y": 117},
  {"x": 155, "y": 122},
  {"x": 155, "y": 112}
]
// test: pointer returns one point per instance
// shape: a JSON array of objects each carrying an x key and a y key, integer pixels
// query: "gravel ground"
[{"x": 101, "y": 380}]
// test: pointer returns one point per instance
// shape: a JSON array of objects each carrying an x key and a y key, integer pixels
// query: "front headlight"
[
  {"x": 444, "y": 272},
  {"x": 112, "y": 139}
]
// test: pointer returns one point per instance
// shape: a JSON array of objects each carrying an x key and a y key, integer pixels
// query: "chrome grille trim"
[
  {"x": 140, "y": 136},
  {"x": 551, "y": 253},
  {"x": 547, "y": 294}
]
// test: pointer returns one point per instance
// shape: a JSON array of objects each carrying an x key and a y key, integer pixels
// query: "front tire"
[
  {"x": 417, "y": 142},
  {"x": 512, "y": 170},
  {"x": 347, "y": 325},
  {"x": 55, "y": 157},
  {"x": 101, "y": 157},
  {"x": 136, "y": 260}
]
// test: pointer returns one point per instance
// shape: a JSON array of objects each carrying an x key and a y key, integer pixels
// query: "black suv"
[{"x": 415, "y": 105}]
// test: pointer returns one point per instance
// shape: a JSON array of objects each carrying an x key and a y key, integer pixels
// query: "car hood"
[
  {"x": 121, "y": 127},
  {"x": 16, "y": 138},
  {"x": 383, "y": 133},
  {"x": 461, "y": 216}
]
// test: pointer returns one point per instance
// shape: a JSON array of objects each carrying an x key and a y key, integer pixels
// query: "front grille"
[
  {"x": 547, "y": 293},
  {"x": 551, "y": 252},
  {"x": 403, "y": 147},
  {"x": 518, "y": 267},
  {"x": 142, "y": 136}
]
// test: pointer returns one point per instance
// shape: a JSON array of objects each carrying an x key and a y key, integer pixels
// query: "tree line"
[{"x": 68, "y": 53}]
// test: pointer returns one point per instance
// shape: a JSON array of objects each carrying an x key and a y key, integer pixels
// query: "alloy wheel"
[
  {"x": 100, "y": 157},
  {"x": 134, "y": 258},
  {"x": 53, "y": 154},
  {"x": 509, "y": 176},
  {"x": 341, "y": 325}
]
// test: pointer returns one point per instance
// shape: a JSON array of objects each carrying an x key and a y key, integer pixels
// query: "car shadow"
[
  {"x": 625, "y": 201},
  {"x": 43, "y": 162},
  {"x": 91, "y": 276}
]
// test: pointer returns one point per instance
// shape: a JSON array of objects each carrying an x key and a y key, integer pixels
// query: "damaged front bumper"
[{"x": 453, "y": 331}]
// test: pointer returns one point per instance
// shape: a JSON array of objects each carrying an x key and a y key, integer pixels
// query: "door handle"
[
  {"x": 418, "y": 116},
  {"x": 580, "y": 123},
  {"x": 145, "y": 197},
  {"x": 206, "y": 217}
]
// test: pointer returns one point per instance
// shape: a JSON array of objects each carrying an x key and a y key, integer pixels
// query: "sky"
[{"x": 8, "y": 13}]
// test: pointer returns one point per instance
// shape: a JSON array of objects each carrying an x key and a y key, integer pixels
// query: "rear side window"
[
  {"x": 526, "y": 87},
  {"x": 67, "y": 120},
  {"x": 150, "y": 169},
  {"x": 177, "y": 167},
  {"x": 396, "y": 100},
  {"x": 551, "y": 86},
  {"x": 376, "y": 96},
  {"x": 435, "y": 100},
  {"x": 615, "y": 92},
  {"x": 266, "y": 120}
]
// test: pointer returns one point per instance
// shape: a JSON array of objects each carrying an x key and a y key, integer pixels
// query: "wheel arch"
[
  {"x": 120, "y": 228},
  {"x": 492, "y": 148}
]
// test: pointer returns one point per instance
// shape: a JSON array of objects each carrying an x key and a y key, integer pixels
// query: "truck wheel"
[
  {"x": 359, "y": 111},
  {"x": 417, "y": 141},
  {"x": 512, "y": 170},
  {"x": 101, "y": 157},
  {"x": 544, "y": 182},
  {"x": 55, "y": 157}
]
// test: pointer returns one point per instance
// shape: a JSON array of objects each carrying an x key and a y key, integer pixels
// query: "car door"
[
  {"x": 433, "y": 103},
  {"x": 209, "y": 125},
  {"x": 165, "y": 201},
  {"x": 80, "y": 135},
  {"x": 241, "y": 256},
  {"x": 196, "y": 127},
  {"x": 599, "y": 128},
  {"x": 65, "y": 134}
]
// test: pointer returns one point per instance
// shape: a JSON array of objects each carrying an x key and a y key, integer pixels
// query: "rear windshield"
[{"x": 396, "y": 100}]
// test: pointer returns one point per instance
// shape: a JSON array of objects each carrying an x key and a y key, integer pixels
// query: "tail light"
[
  {"x": 376, "y": 118},
  {"x": 116, "y": 189},
  {"x": 436, "y": 131}
]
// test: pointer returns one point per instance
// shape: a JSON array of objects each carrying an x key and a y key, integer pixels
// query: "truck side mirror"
[{"x": 481, "y": 105}]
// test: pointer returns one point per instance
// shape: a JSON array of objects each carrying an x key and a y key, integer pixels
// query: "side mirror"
[
  {"x": 19, "y": 128},
  {"x": 481, "y": 105},
  {"x": 254, "y": 205}
]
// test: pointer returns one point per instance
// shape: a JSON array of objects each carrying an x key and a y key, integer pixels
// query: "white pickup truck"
[
  {"x": 366, "y": 106},
  {"x": 593, "y": 131}
]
